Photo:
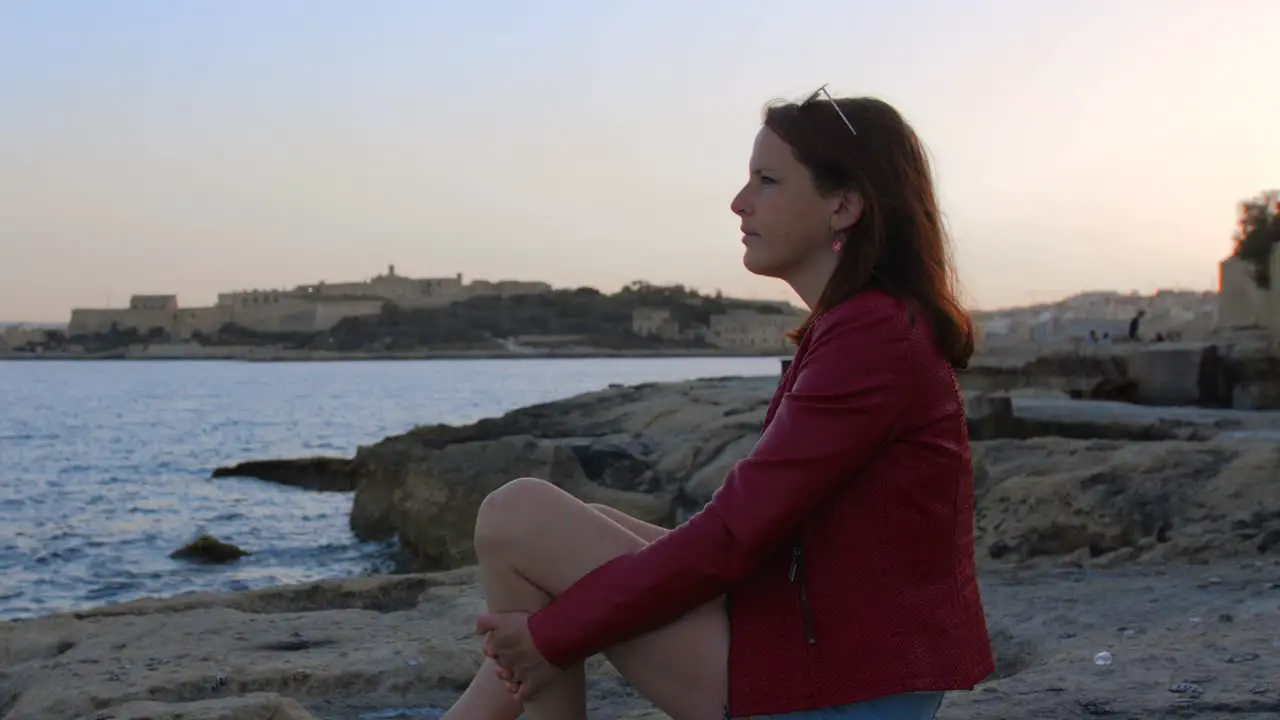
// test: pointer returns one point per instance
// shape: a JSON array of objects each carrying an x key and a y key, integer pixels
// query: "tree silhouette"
[{"x": 1257, "y": 232}]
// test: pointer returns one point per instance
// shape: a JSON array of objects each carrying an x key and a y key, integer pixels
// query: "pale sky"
[{"x": 193, "y": 147}]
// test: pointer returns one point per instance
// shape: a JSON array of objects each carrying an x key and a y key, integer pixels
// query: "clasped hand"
[{"x": 509, "y": 644}]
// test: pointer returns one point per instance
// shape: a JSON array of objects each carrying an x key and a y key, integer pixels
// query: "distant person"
[
  {"x": 1093, "y": 337},
  {"x": 839, "y": 554},
  {"x": 1135, "y": 323}
]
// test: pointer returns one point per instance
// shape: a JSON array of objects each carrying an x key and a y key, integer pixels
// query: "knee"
[{"x": 505, "y": 512}]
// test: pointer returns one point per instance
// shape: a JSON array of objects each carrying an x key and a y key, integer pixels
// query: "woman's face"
[{"x": 786, "y": 223}]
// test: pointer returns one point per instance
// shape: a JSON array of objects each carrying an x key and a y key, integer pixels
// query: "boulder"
[
  {"x": 656, "y": 451},
  {"x": 1169, "y": 373},
  {"x": 429, "y": 497},
  {"x": 1238, "y": 372},
  {"x": 1250, "y": 375},
  {"x": 989, "y": 416},
  {"x": 1067, "y": 372},
  {"x": 1055, "y": 497}
]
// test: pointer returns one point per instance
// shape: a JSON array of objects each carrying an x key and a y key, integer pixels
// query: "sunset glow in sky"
[{"x": 165, "y": 147}]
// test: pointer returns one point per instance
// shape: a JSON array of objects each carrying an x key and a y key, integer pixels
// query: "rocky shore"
[{"x": 1151, "y": 534}]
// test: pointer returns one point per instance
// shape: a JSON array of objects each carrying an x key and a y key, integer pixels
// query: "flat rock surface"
[
  {"x": 1209, "y": 421},
  {"x": 1185, "y": 641}
]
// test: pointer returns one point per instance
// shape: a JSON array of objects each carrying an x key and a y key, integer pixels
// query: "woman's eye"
[{"x": 766, "y": 180}]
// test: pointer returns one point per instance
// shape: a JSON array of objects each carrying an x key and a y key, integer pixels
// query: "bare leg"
[
  {"x": 533, "y": 541},
  {"x": 487, "y": 697},
  {"x": 647, "y": 532}
]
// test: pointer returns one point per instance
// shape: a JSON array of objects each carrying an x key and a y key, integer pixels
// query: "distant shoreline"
[{"x": 251, "y": 354}]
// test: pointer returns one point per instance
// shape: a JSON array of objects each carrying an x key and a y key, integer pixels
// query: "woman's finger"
[
  {"x": 524, "y": 691},
  {"x": 491, "y": 646},
  {"x": 502, "y": 665}
]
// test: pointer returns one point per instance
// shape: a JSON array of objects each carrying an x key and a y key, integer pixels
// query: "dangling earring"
[{"x": 836, "y": 245}]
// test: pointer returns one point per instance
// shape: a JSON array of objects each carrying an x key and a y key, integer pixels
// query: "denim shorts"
[{"x": 908, "y": 706}]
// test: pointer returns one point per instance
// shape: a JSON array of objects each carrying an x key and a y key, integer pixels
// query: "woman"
[{"x": 832, "y": 575}]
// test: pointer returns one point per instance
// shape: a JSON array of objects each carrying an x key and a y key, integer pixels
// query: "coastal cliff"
[{"x": 1152, "y": 534}]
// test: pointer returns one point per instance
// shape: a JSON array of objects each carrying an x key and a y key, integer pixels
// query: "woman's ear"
[{"x": 848, "y": 210}]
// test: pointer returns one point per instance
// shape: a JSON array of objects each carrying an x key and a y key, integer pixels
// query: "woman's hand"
[{"x": 510, "y": 645}]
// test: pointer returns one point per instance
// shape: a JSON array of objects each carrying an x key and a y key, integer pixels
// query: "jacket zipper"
[{"x": 797, "y": 574}]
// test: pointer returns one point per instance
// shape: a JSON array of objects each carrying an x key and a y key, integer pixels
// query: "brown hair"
[{"x": 899, "y": 246}]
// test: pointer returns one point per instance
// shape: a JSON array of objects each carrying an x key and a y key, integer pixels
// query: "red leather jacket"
[{"x": 844, "y": 541}]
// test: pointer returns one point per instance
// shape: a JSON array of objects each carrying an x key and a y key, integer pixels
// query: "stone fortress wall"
[
  {"x": 303, "y": 309},
  {"x": 1242, "y": 304}
]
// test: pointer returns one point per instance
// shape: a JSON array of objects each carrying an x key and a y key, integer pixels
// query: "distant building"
[
  {"x": 422, "y": 292},
  {"x": 1241, "y": 303},
  {"x": 1075, "y": 320},
  {"x": 1077, "y": 330},
  {"x": 751, "y": 330},
  {"x": 17, "y": 336},
  {"x": 654, "y": 322},
  {"x": 304, "y": 309}
]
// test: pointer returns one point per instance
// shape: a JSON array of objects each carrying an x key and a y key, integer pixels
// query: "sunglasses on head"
[{"x": 822, "y": 92}]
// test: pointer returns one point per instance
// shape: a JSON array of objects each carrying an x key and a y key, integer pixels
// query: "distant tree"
[{"x": 1257, "y": 232}]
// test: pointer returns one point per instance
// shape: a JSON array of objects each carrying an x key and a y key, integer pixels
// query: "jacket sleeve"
[{"x": 846, "y": 404}]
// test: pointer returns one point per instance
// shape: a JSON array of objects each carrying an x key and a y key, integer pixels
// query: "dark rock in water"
[
  {"x": 209, "y": 549},
  {"x": 330, "y": 474}
]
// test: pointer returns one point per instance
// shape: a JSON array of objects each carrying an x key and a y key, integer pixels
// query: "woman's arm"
[{"x": 847, "y": 403}]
